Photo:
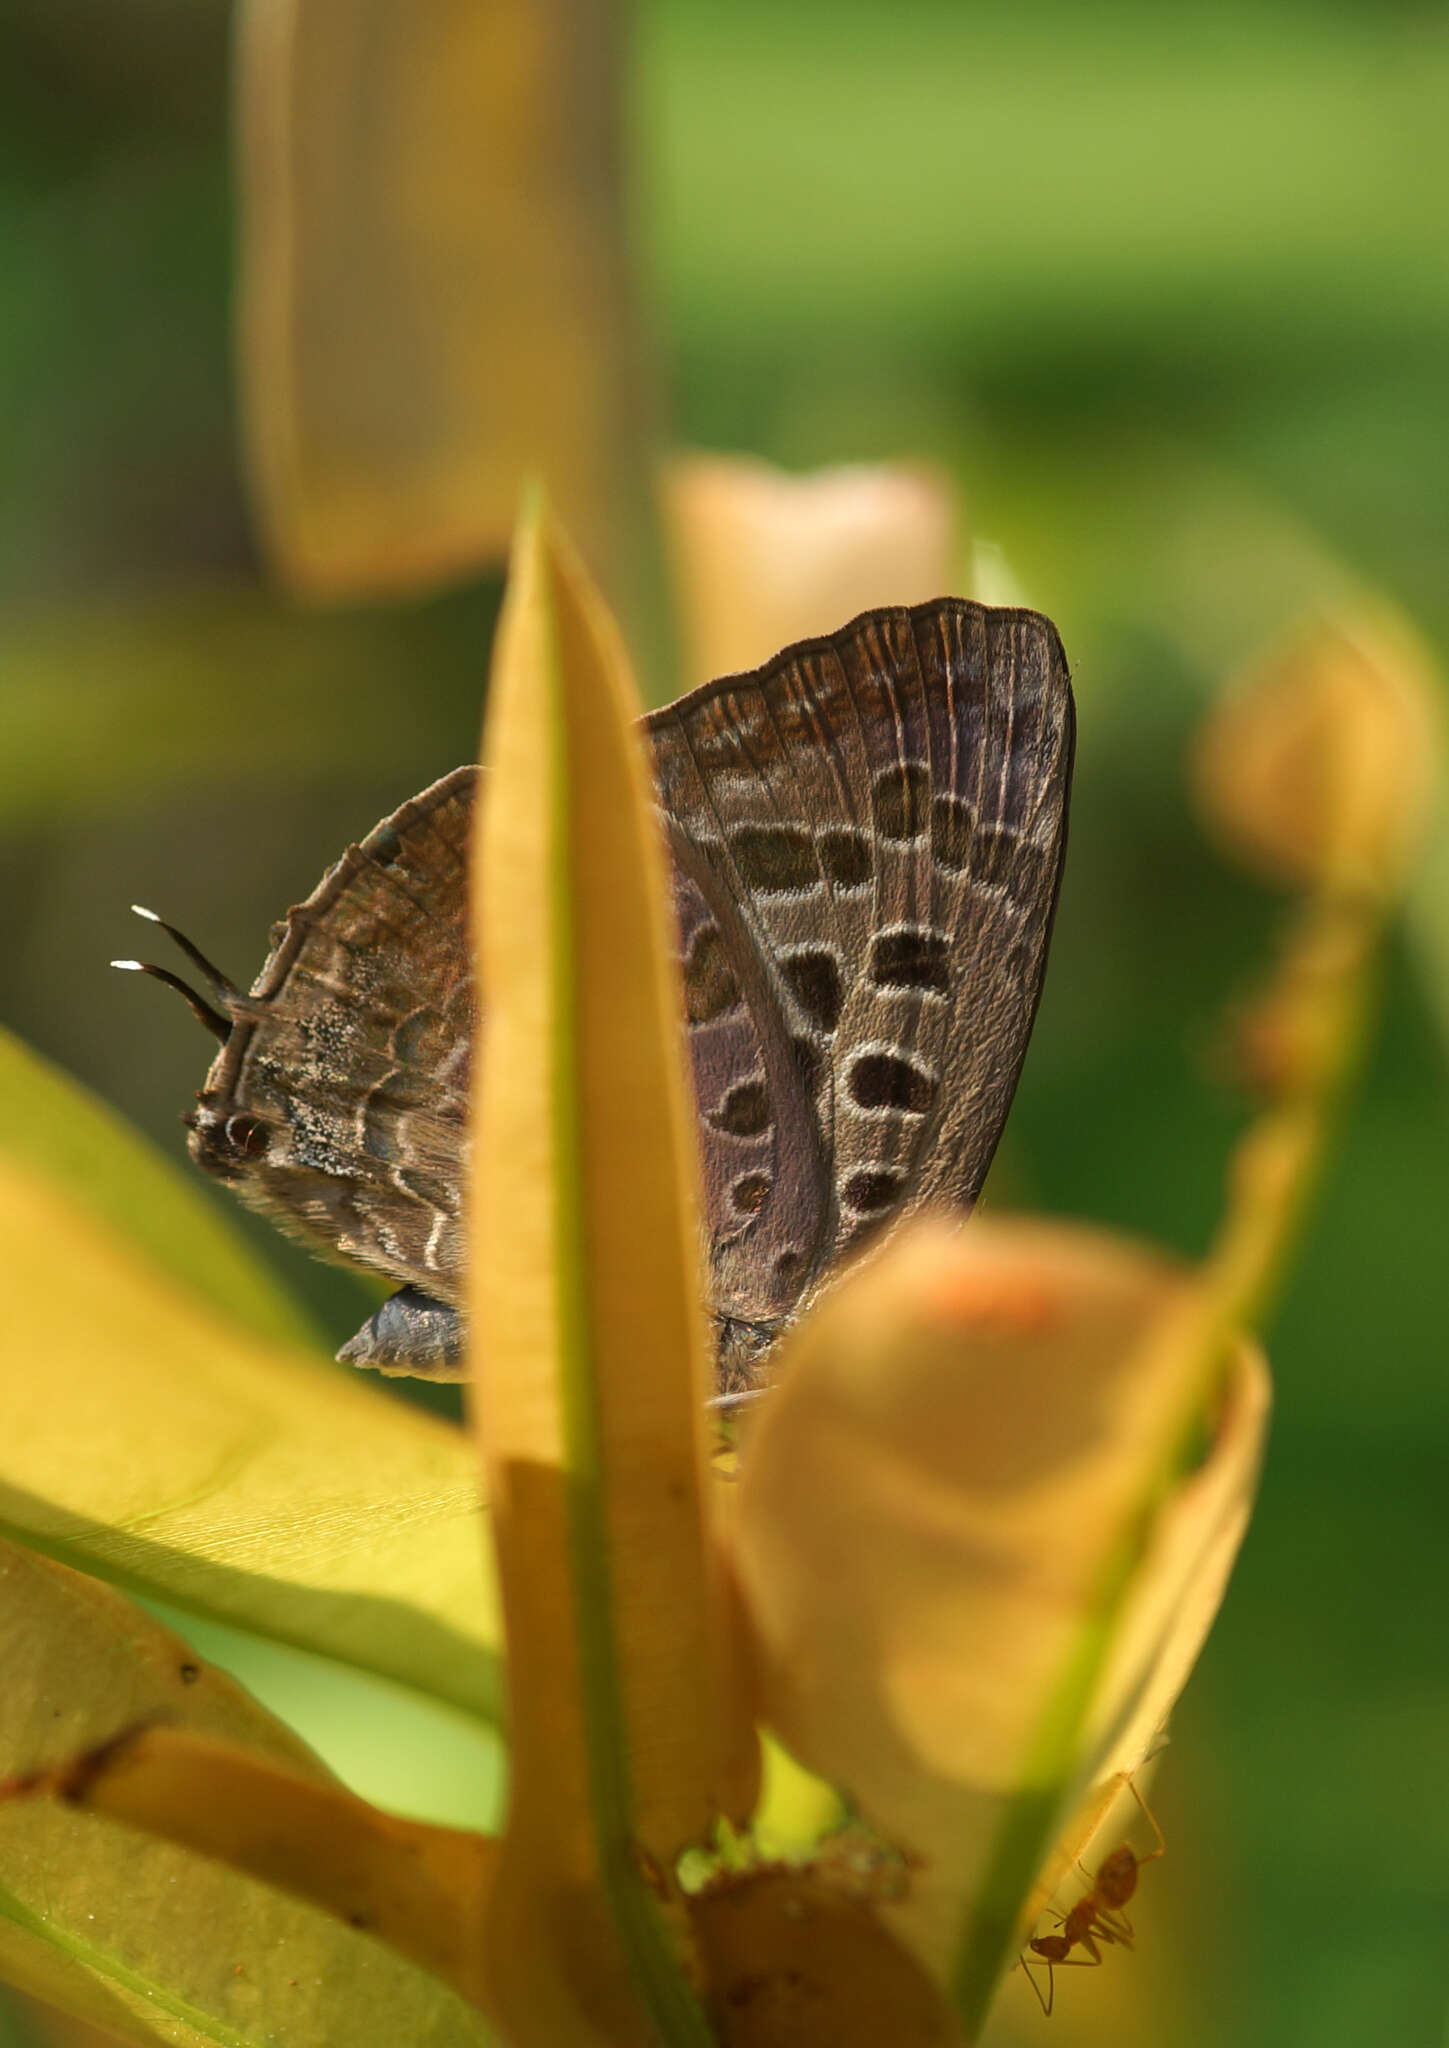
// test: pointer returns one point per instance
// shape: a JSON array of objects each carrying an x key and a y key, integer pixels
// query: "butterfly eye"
[{"x": 248, "y": 1135}]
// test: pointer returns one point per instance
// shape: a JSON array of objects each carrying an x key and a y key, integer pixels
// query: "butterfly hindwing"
[
  {"x": 339, "y": 1102},
  {"x": 966, "y": 718},
  {"x": 885, "y": 808}
]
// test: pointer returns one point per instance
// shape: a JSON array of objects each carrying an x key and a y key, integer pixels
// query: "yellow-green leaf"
[
  {"x": 415, "y": 1886},
  {"x": 591, "y": 1374},
  {"x": 49, "y": 1124},
  {"x": 151, "y": 1442},
  {"x": 146, "y": 1940}
]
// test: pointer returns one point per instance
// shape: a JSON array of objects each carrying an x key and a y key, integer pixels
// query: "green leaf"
[
  {"x": 146, "y": 1940},
  {"x": 153, "y": 1443},
  {"x": 51, "y": 1125}
]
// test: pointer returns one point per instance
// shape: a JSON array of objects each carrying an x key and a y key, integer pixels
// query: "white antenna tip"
[
  {"x": 141, "y": 911},
  {"x": 129, "y": 966}
]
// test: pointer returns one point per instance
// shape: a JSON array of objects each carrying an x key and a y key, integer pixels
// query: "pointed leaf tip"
[{"x": 629, "y": 1732}]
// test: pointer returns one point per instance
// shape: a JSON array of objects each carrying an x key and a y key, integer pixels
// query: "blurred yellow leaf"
[
  {"x": 590, "y": 1369},
  {"x": 1174, "y": 1599},
  {"x": 110, "y": 702},
  {"x": 763, "y": 558},
  {"x": 1320, "y": 766},
  {"x": 434, "y": 290},
  {"x": 146, "y": 1940},
  {"x": 49, "y": 1124},
  {"x": 1184, "y": 1573},
  {"x": 1321, "y": 769},
  {"x": 152, "y": 1443}
]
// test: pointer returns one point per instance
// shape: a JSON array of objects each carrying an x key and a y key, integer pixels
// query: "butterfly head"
[{"x": 227, "y": 1141}]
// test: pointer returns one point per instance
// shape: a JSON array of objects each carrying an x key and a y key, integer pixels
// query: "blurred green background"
[{"x": 1168, "y": 292}]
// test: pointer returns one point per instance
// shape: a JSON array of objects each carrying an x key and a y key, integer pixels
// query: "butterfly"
[{"x": 865, "y": 839}]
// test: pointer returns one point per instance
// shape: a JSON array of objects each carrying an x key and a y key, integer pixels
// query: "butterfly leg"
[{"x": 411, "y": 1334}]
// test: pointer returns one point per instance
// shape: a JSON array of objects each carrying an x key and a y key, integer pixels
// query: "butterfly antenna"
[
  {"x": 216, "y": 1024},
  {"x": 221, "y": 985}
]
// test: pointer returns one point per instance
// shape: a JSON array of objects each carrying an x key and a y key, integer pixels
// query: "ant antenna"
[{"x": 1151, "y": 1819}]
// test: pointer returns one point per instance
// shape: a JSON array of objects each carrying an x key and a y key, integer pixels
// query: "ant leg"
[
  {"x": 1046, "y": 2003},
  {"x": 1151, "y": 1819}
]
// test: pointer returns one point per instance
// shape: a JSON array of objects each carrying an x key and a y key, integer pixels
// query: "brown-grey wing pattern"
[
  {"x": 338, "y": 1103},
  {"x": 742, "y": 780},
  {"x": 966, "y": 719},
  {"x": 760, "y": 1152},
  {"x": 875, "y": 823}
]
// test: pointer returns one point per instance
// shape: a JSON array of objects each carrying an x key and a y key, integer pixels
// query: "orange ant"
[{"x": 1098, "y": 1916}]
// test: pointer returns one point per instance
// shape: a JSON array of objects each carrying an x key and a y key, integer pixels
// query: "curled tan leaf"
[
  {"x": 792, "y": 1962},
  {"x": 963, "y": 1541}
]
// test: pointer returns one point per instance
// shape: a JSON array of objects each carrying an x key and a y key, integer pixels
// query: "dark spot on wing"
[
  {"x": 710, "y": 988},
  {"x": 775, "y": 859},
  {"x": 745, "y": 1111},
  {"x": 813, "y": 975},
  {"x": 901, "y": 795},
  {"x": 873, "y": 1190},
  {"x": 912, "y": 958},
  {"x": 953, "y": 825},
  {"x": 884, "y": 1080},
  {"x": 845, "y": 857}
]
